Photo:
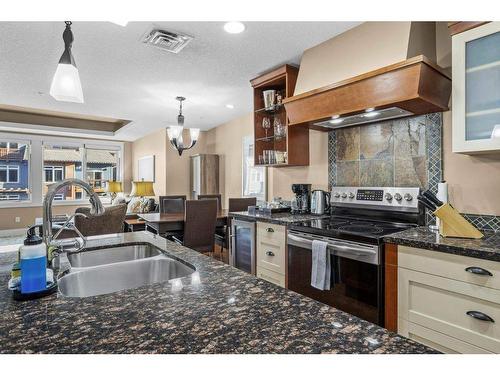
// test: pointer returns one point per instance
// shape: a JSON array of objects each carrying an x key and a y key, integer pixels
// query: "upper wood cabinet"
[
  {"x": 476, "y": 89},
  {"x": 277, "y": 144}
]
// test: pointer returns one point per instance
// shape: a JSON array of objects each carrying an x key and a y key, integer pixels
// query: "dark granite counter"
[
  {"x": 282, "y": 218},
  {"x": 227, "y": 311},
  {"x": 422, "y": 237}
]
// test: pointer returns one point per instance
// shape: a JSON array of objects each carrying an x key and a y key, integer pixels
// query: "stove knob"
[
  {"x": 344, "y": 195},
  {"x": 398, "y": 197},
  {"x": 351, "y": 195},
  {"x": 388, "y": 196},
  {"x": 408, "y": 197},
  {"x": 336, "y": 195}
]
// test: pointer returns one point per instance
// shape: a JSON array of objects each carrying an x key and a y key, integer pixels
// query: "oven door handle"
[{"x": 352, "y": 249}]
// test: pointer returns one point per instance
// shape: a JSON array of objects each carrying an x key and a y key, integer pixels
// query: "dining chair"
[
  {"x": 112, "y": 221},
  {"x": 200, "y": 218},
  {"x": 172, "y": 204},
  {"x": 212, "y": 196}
]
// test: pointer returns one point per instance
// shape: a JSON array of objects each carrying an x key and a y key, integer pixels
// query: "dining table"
[{"x": 160, "y": 223}]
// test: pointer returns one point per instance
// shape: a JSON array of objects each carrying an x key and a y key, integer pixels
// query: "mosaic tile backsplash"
[
  {"x": 403, "y": 152},
  {"x": 390, "y": 153}
]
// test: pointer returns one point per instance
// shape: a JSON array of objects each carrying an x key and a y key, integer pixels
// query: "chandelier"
[{"x": 174, "y": 132}]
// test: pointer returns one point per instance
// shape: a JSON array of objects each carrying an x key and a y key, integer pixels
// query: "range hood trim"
[{"x": 416, "y": 85}]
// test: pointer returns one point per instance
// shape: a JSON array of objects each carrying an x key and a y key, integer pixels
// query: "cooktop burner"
[
  {"x": 361, "y": 229},
  {"x": 335, "y": 226}
]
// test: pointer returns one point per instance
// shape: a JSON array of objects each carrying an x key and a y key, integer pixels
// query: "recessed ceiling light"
[
  {"x": 234, "y": 27},
  {"x": 120, "y": 23},
  {"x": 336, "y": 120},
  {"x": 371, "y": 114},
  {"x": 230, "y": 106}
]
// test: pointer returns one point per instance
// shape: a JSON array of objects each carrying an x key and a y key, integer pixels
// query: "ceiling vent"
[{"x": 167, "y": 40}]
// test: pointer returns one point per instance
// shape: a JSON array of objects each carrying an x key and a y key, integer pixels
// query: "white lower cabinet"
[
  {"x": 438, "y": 308},
  {"x": 270, "y": 250}
]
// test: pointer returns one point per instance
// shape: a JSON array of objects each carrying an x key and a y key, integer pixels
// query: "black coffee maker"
[{"x": 301, "y": 203}]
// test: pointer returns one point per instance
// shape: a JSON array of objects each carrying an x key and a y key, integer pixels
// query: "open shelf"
[
  {"x": 271, "y": 110},
  {"x": 295, "y": 142}
]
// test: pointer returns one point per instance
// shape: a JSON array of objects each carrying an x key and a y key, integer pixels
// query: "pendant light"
[
  {"x": 66, "y": 85},
  {"x": 175, "y": 132}
]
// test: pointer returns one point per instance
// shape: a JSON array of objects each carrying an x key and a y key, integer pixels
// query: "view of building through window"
[
  {"x": 14, "y": 171},
  {"x": 102, "y": 166},
  {"x": 95, "y": 166}
]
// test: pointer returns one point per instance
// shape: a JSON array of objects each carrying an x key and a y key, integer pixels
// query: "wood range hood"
[{"x": 412, "y": 87}]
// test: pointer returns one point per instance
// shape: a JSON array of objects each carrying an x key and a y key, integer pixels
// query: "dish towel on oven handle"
[{"x": 321, "y": 268}]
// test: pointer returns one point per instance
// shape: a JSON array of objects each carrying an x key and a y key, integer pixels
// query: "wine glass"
[{"x": 266, "y": 124}]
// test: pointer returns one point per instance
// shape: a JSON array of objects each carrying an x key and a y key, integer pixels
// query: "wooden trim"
[
  {"x": 35, "y": 116},
  {"x": 414, "y": 60},
  {"x": 391, "y": 287},
  {"x": 460, "y": 27},
  {"x": 273, "y": 75},
  {"x": 416, "y": 85}
]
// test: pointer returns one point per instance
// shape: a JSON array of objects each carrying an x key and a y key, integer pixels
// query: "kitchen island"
[{"x": 223, "y": 311}]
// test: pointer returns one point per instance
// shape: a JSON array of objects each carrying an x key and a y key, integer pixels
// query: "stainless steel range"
[{"x": 360, "y": 217}]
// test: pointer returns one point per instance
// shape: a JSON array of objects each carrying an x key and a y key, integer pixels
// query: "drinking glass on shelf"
[
  {"x": 266, "y": 124},
  {"x": 261, "y": 159},
  {"x": 279, "y": 128}
]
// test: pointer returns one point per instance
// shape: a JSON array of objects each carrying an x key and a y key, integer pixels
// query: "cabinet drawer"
[
  {"x": 272, "y": 277},
  {"x": 445, "y": 306},
  {"x": 271, "y": 256},
  {"x": 436, "y": 340},
  {"x": 487, "y": 273},
  {"x": 271, "y": 233}
]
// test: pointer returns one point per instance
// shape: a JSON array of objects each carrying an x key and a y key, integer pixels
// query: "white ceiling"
[{"x": 124, "y": 78}]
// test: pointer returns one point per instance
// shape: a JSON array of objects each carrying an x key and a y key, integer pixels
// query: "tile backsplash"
[
  {"x": 389, "y": 153},
  {"x": 403, "y": 152}
]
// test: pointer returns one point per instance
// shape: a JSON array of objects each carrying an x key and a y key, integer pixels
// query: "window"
[
  {"x": 102, "y": 165},
  {"x": 14, "y": 171},
  {"x": 53, "y": 174},
  {"x": 254, "y": 178},
  {"x": 61, "y": 162},
  {"x": 9, "y": 174},
  {"x": 9, "y": 197}
]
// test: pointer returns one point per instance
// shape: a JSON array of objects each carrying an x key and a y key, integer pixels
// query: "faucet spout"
[{"x": 97, "y": 208}]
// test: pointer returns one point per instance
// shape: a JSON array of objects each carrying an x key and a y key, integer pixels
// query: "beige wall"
[
  {"x": 474, "y": 181},
  {"x": 226, "y": 140},
  {"x": 316, "y": 174},
  {"x": 178, "y": 167},
  {"x": 152, "y": 144}
]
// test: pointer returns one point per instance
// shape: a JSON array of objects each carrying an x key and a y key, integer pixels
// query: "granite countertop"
[
  {"x": 282, "y": 218},
  {"x": 486, "y": 248},
  {"x": 229, "y": 311}
]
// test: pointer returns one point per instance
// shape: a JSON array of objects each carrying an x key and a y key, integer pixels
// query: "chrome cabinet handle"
[
  {"x": 269, "y": 253},
  {"x": 270, "y": 230},
  {"x": 479, "y": 271},
  {"x": 480, "y": 316}
]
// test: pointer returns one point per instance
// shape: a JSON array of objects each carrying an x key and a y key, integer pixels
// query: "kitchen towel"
[{"x": 321, "y": 267}]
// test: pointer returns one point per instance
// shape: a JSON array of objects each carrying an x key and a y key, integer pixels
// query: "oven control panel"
[{"x": 402, "y": 198}]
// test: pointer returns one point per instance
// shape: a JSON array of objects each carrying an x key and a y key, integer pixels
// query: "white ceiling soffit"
[{"x": 125, "y": 78}]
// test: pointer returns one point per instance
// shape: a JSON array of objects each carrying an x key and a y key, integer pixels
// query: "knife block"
[{"x": 453, "y": 224}]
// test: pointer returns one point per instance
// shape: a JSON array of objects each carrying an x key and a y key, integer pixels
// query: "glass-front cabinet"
[{"x": 476, "y": 89}]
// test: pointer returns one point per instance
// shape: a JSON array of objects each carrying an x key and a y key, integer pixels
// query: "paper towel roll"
[
  {"x": 442, "y": 192},
  {"x": 442, "y": 195}
]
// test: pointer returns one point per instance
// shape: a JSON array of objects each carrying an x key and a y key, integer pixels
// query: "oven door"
[{"x": 356, "y": 281}]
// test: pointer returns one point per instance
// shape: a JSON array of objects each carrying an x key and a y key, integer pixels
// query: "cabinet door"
[{"x": 476, "y": 89}]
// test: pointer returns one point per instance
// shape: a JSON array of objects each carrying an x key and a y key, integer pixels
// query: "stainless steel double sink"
[{"x": 103, "y": 271}]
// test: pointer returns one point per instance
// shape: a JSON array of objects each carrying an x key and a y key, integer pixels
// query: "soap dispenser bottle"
[{"x": 33, "y": 262}]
